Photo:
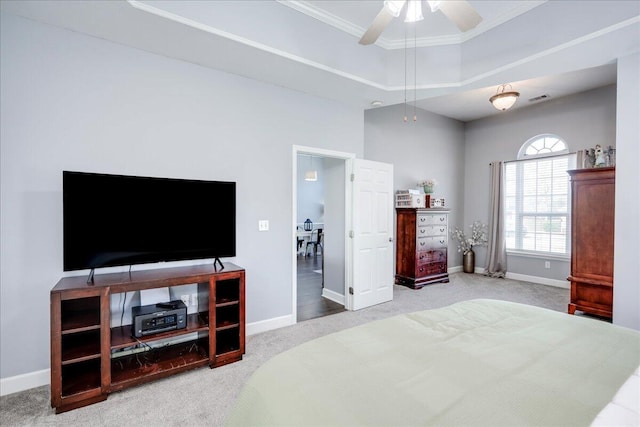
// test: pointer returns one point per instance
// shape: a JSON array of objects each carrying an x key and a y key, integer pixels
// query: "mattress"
[{"x": 480, "y": 362}]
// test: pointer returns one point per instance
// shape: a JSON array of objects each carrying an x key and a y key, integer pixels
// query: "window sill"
[{"x": 539, "y": 255}]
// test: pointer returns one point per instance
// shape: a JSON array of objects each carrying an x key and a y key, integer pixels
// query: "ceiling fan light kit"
[
  {"x": 394, "y": 7},
  {"x": 459, "y": 12},
  {"x": 503, "y": 100},
  {"x": 434, "y": 4},
  {"x": 414, "y": 11}
]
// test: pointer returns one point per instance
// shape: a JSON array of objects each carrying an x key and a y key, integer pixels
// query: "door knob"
[{"x": 391, "y": 239}]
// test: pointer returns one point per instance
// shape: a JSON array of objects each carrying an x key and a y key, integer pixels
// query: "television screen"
[{"x": 112, "y": 220}]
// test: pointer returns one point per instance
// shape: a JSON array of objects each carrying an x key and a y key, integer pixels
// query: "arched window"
[
  {"x": 537, "y": 204},
  {"x": 543, "y": 145}
]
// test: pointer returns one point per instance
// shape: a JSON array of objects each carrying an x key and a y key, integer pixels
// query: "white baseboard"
[
  {"x": 333, "y": 296},
  {"x": 540, "y": 280},
  {"x": 24, "y": 382},
  {"x": 269, "y": 324},
  {"x": 522, "y": 277},
  {"x": 39, "y": 378}
]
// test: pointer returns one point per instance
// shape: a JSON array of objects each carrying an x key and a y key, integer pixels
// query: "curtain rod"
[{"x": 540, "y": 157}]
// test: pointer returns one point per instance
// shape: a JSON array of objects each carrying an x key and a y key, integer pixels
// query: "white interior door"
[{"x": 372, "y": 234}]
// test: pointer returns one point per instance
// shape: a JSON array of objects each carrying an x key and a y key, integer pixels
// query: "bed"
[{"x": 480, "y": 362}]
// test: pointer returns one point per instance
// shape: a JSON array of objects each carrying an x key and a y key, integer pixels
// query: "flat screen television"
[{"x": 113, "y": 220}]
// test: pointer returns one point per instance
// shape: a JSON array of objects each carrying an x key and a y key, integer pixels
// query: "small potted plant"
[
  {"x": 466, "y": 244},
  {"x": 427, "y": 185}
]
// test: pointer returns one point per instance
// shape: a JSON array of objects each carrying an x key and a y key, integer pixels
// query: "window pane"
[
  {"x": 559, "y": 204},
  {"x": 544, "y": 204},
  {"x": 529, "y": 204},
  {"x": 537, "y": 197}
]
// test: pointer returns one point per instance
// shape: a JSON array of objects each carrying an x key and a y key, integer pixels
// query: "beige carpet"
[{"x": 204, "y": 396}]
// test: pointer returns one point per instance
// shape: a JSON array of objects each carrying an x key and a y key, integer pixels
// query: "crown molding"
[{"x": 381, "y": 86}]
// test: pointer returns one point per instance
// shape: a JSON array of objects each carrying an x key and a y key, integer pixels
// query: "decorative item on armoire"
[
  {"x": 428, "y": 185},
  {"x": 466, "y": 244}
]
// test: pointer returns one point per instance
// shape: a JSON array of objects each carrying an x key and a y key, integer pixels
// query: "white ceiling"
[{"x": 553, "y": 47}]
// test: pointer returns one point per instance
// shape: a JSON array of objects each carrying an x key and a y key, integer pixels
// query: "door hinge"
[
  {"x": 351, "y": 233},
  {"x": 353, "y": 177},
  {"x": 350, "y": 290}
]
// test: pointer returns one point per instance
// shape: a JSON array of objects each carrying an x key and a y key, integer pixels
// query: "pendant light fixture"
[
  {"x": 311, "y": 174},
  {"x": 503, "y": 99}
]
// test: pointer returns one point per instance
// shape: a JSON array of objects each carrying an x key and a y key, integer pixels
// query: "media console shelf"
[{"x": 90, "y": 359}]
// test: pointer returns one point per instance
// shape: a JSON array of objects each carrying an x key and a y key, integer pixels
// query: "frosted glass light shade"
[
  {"x": 311, "y": 176},
  {"x": 434, "y": 4},
  {"x": 414, "y": 11},
  {"x": 504, "y": 100},
  {"x": 394, "y": 6}
]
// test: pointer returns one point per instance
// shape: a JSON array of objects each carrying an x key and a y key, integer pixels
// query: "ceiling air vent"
[{"x": 539, "y": 98}]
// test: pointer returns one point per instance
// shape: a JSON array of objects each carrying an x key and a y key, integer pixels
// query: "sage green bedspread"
[{"x": 480, "y": 362}]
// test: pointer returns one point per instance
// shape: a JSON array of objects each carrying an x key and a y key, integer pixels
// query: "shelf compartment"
[
  {"x": 121, "y": 335},
  {"x": 227, "y": 316},
  {"x": 80, "y": 346},
  {"x": 157, "y": 363},
  {"x": 227, "y": 292},
  {"x": 80, "y": 314},
  {"x": 227, "y": 340},
  {"x": 80, "y": 377}
]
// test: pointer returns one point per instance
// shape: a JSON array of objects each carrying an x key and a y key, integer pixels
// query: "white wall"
[
  {"x": 626, "y": 280},
  {"x": 310, "y": 193},
  {"x": 582, "y": 120},
  {"x": 72, "y": 102},
  {"x": 431, "y": 147},
  {"x": 334, "y": 230}
]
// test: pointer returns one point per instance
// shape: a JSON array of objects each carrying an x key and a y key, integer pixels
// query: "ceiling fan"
[{"x": 459, "y": 12}]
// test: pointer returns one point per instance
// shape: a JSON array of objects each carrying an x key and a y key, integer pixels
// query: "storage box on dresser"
[
  {"x": 83, "y": 370},
  {"x": 421, "y": 246},
  {"x": 592, "y": 234}
]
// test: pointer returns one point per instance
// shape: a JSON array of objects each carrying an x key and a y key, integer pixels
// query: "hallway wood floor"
[{"x": 311, "y": 304}]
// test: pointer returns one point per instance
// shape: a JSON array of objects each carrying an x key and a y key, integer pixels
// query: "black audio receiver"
[{"x": 161, "y": 317}]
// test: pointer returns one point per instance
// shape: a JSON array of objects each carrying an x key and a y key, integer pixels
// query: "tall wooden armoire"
[{"x": 592, "y": 233}]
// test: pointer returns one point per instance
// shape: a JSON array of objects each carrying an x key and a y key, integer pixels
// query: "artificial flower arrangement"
[
  {"x": 431, "y": 182},
  {"x": 427, "y": 185},
  {"x": 478, "y": 237}
]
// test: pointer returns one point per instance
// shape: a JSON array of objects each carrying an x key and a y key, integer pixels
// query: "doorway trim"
[{"x": 348, "y": 159}]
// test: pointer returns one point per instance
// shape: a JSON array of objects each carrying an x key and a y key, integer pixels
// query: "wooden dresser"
[
  {"x": 592, "y": 233},
  {"x": 421, "y": 246}
]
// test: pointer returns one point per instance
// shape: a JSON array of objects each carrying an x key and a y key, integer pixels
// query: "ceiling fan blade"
[
  {"x": 376, "y": 28},
  {"x": 461, "y": 13}
]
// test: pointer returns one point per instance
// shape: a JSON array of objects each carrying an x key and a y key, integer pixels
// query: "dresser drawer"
[
  {"x": 436, "y": 242},
  {"x": 431, "y": 268},
  {"x": 431, "y": 219},
  {"x": 428, "y": 257},
  {"x": 432, "y": 230}
]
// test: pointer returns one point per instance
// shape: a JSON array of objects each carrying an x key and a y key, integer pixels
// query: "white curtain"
[{"x": 496, "y": 245}]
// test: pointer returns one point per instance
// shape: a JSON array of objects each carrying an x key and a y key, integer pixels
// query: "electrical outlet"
[
  {"x": 547, "y": 264},
  {"x": 194, "y": 300},
  {"x": 263, "y": 225},
  {"x": 185, "y": 299}
]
